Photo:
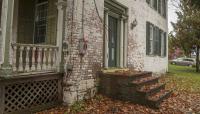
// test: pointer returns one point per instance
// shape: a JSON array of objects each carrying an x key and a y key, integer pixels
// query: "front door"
[{"x": 112, "y": 45}]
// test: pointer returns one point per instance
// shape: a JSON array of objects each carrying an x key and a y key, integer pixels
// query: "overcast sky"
[{"x": 172, "y": 15}]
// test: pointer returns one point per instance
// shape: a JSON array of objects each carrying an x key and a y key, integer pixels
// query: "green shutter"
[
  {"x": 148, "y": 1},
  {"x": 155, "y": 4},
  {"x": 147, "y": 38},
  {"x": 157, "y": 42},
  {"x": 164, "y": 8},
  {"x": 159, "y": 6},
  {"x": 165, "y": 44},
  {"x": 160, "y": 42},
  {"x": 154, "y": 40}
]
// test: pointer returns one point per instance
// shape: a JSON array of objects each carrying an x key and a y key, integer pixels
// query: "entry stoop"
[{"x": 137, "y": 87}]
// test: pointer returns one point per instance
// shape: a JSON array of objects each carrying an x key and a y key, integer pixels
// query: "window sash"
[
  {"x": 41, "y": 22},
  {"x": 155, "y": 41}
]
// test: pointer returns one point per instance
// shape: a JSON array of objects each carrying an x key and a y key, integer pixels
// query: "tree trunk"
[{"x": 197, "y": 59}]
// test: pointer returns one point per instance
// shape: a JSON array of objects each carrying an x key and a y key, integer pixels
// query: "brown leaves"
[{"x": 176, "y": 104}]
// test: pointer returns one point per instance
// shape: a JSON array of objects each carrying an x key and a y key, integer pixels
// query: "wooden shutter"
[
  {"x": 160, "y": 42},
  {"x": 155, "y": 4},
  {"x": 147, "y": 38},
  {"x": 52, "y": 23},
  {"x": 164, "y": 8},
  {"x": 148, "y": 1},
  {"x": 159, "y": 6},
  {"x": 165, "y": 44},
  {"x": 26, "y": 15},
  {"x": 157, "y": 41},
  {"x": 154, "y": 41}
]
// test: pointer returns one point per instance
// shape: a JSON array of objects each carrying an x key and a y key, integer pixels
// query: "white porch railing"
[{"x": 34, "y": 58}]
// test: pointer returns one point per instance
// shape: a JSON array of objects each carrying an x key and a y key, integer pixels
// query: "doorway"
[{"x": 112, "y": 42}]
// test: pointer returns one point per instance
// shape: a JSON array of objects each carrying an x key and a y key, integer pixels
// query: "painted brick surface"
[
  {"x": 83, "y": 80},
  {"x": 139, "y": 10}
]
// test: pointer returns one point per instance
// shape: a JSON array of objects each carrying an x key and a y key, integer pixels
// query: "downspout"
[{"x": 83, "y": 41}]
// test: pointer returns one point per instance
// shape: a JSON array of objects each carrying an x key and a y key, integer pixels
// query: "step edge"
[
  {"x": 142, "y": 83},
  {"x": 161, "y": 86}
]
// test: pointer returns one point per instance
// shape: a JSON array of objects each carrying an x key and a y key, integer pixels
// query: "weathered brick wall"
[
  {"x": 83, "y": 78},
  {"x": 137, "y": 58}
]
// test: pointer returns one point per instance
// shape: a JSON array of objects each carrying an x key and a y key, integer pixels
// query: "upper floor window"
[
  {"x": 156, "y": 41},
  {"x": 158, "y": 5}
]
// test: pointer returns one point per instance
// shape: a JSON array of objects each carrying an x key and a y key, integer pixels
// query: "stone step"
[
  {"x": 143, "y": 75},
  {"x": 155, "y": 100},
  {"x": 148, "y": 90},
  {"x": 145, "y": 81}
]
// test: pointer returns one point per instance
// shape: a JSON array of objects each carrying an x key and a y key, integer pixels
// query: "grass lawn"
[{"x": 183, "y": 79}]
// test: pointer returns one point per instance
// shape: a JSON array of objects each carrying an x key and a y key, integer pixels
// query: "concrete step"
[
  {"x": 145, "y": 81},
  {"x": 150, "y": 89},
  {"x": 155, "y": 100},
  {"x": 143, "y": 75}
]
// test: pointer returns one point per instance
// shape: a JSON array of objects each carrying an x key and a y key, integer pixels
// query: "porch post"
[
  {"x": 106, "y": 39},
  {"x": 7, "y": 21},
  {"x": 61, "y": 5},
  {"x": 122, "y": 42}
]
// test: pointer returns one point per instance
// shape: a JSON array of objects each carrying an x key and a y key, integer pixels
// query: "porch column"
[
  {"x": 7, "y": 22},
  {"x": 121, "y": 42},
  {"x": 61, "y": 5},
  {"x": 106, "y": 39}
]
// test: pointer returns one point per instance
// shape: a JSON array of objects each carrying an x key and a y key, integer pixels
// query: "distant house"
[
  {"x": 51, "y": 50},
  {"x": 177, "y": 52}
]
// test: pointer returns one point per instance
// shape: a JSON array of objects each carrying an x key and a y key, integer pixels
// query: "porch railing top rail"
[{"x": 34, "y": 45}]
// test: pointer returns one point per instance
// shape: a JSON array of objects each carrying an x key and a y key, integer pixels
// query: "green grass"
[{"x": 183, "y": 79}]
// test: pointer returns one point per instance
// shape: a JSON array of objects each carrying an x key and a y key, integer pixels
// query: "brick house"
[{"x": 51, "y": 50}]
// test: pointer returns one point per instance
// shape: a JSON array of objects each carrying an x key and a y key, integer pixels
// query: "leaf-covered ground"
[{"x": 185, "y": 99}]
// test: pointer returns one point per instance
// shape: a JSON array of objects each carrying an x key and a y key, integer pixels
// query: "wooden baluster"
[
  {"x": 33, "y": 66},
  {"x": 39, "y": 65},
  {"x": 54, "y": 58},
  {"x": 27, "y": 67},
  {"x": 21, "y": 49},
  {"x": 49, "y": 58},
  {"x": 14, "y": 58},
  {"x": 45, "y": 59}
]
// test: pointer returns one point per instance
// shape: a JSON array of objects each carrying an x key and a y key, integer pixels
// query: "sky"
[{"x": 171, "y": 13}]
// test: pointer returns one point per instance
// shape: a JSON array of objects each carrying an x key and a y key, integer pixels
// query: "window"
[
  {"x": 156, "y": 42},
  {"x": 158, "y": 5},
  {"x": 41, "y": 21}
]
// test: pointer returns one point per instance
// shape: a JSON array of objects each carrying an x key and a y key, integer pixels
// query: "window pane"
[{"x": 41, "y": 21}]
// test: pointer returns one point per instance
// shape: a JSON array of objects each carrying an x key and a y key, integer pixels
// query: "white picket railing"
[{"x": 34, "y": 58}]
